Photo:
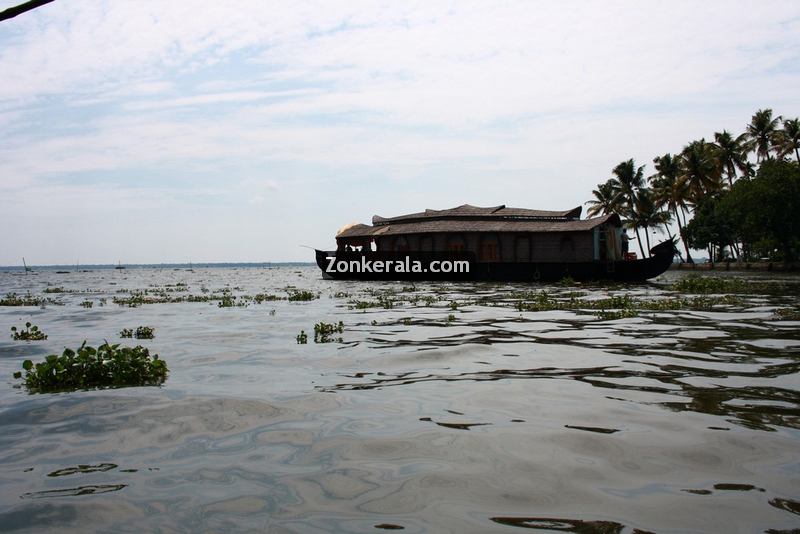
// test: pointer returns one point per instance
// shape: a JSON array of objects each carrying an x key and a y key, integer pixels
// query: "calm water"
[{"x": 490, "y": 420}]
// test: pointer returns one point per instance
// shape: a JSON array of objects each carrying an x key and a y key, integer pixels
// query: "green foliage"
[
  {"x": 383, "y": 301},
  {"x": 302, "y": 338},
  {"x": 145, "y": 332},
  {"x": 301, "y": 295},
  {"x": 762, "y": 212},
  {"x": 266, "y": 297},
  {"x": 227, "y": 301},
  {"x": 54, "y": 290},
  {"x": 134, "y": 301},
  {"x": 31, "y": 333},
  {"x": 788, "y": 314},
  {"x": 12, "y": 299},
  {"x": 616, "y": 314},
  {"x": 141, "y": 332},
  {"x": 715, "y": 284},
  {"x": 87, "y": 303},
  {"x": 323, "y": 332},
  {"x": 768, "y": 209},
  {"x": 87, "y": 368},
  {"x": 604, "y": 307},
  {"x": 714, "y": 222}
]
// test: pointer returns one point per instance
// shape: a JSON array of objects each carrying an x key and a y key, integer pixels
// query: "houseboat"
[{"x": 493, "y": 243}]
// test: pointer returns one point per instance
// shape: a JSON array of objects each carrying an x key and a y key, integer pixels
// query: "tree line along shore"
[{"x": 737, "y": 197}]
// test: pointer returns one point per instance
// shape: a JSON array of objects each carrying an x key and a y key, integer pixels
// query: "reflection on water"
[
  {"x": 444, "y": 409},
  {"x": 71, "y": 492}
]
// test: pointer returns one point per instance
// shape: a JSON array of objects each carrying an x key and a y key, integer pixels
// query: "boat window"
[
  {"x": 426, "y": 243},
  {"x": 522, "y": 248},
  {"x": 490, "y": 248},
  {"x": 455, "y": 244},
  {"x": 567, "y": 248}
]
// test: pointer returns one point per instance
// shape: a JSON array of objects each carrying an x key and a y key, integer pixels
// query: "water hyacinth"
[
  {"x": 323, "y": 332},
  {"x": 31, "y": 333},
  {"x": 89, "y": 368}
]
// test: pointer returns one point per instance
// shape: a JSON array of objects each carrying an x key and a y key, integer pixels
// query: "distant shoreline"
[
  {"x": 202, "y": 265},
  {"x": 772, "y": 266}
]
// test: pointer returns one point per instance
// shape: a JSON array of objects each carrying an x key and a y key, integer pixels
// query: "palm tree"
[
  {"x": 731, "y": 153},
  {"x": 699, "y": 170},
  {"x": 788, "y": 139},
  {"x": 671, "y": 192},
  {"x": 647, "y": 214},
  {"x": 606, "y": 199},
  {"x": 628, "y": 179},
  {"x": 761, "y": 132}
]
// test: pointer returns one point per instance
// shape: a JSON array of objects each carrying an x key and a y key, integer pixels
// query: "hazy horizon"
[{"x": 150, "y": 132}]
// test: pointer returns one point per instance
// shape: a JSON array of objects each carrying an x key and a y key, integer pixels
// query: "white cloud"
[{"x": 392, "y": 103}]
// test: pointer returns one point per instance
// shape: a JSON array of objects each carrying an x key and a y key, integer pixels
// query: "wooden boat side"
[{"x": 620, "y": 271}]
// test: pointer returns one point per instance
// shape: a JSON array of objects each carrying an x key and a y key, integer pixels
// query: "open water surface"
[{"x": 444, "y": 408}]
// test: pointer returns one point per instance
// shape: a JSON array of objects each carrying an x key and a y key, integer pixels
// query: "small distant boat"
[
  {"x": 119, "y": 266},
  {"x": 27, "y": 269},
  {"x": 499, "y": 243}
]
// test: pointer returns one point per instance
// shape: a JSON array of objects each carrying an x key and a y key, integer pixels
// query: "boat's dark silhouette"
[{"x": 618, "y": 270}]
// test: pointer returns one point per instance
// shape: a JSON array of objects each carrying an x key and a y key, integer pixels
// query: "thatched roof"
[
  {"x": 469, "y": 219},
  {"x": 474, "y": 212}
]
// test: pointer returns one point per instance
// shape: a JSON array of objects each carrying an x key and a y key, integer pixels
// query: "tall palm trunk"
[
  {"x": 683, "y": 237},
  {"x": 647, "y": 238},
  {"x": 639, "y": 238},
  {"x": 669, "y": 233}
]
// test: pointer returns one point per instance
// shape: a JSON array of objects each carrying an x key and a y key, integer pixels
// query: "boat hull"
[{"x": 619, "y": 271}]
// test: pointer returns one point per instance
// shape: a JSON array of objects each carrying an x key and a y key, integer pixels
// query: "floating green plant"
[
  {"x": 144, "y": 332},
  {"x": 616, "y": 314},
  {"x": 87, "y": 303},
  {"x": 54, "y": 290},
  {"x": 323, "y": 332},
  {"x": 87, "y": 368},
  {"x": 301, "y": 295},
  {"x": 545, "y": 302},
  {"x": 12, "y": 299},
  {"x": 227, "y": 301},
  {"x": 717, "y": 284},
  {"x": 302, "y": 338},
  {"x": 383, "y": 301},
  {"x": 31, "y": 333},
  {"x": 141, "y": 332},
  {"x": 788, "y": 314},
  {"x": 266, "y": 297}
]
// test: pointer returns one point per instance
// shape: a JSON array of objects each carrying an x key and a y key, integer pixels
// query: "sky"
[{"x": 150, "y": 131}]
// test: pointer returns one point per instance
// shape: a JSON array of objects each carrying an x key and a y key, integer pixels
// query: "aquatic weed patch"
[
  {"x": 31, "y": 333},
  {"x": 324, "y": 332},
  {"x": 89, "y": 368},
  {"x": 12, "y": 299},
  {"x": 141, "y": 332},
  {"x": 298, "y": 295},
  {"x": 788, "y": 314},
  {"x": 717, "y": 284},
  {"x": 56, "y": 290},
  {"x": 227, "y": 301},
  {"x": 620, "y": 306}
]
